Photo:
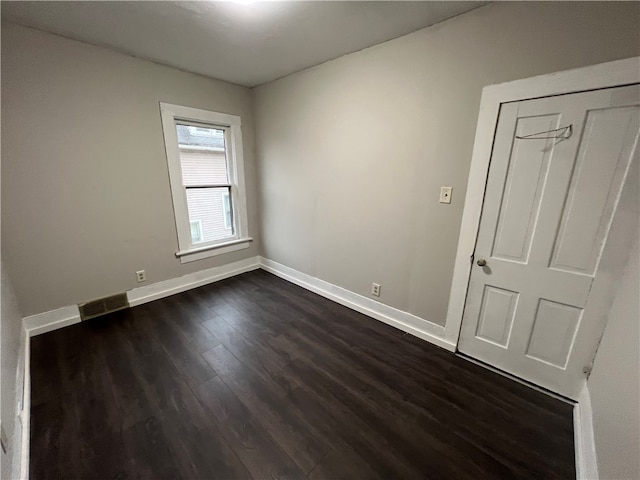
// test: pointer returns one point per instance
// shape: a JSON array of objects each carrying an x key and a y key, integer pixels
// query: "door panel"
[
  {"x": 526, "y": 178},
  {"x": 554, "y": 329},
  {"x": 593, "y": 189},
  {"x": 547, "y": 213},
  {"x": 496, "y": 315}
]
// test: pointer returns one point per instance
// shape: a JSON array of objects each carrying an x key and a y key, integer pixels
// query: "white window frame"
[{"x": 187, "y": 250}]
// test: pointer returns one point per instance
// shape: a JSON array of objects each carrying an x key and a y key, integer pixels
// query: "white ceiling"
[{"x": 243, "y": 43}]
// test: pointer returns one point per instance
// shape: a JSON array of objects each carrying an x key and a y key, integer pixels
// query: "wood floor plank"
[
  {"x": 426, "y": 407},
  {"x": 183, "y": 355},
  {"x": 200, "y": 445},
  {"x": 374, "y": 402},
  {"x": 252, "y": 443},
  {"x": 264, "y": 400},
  {"x": 148, "y": 452},
  {"x": 334, "y": 422},
  {"x": 254, "y": 377},
  {"x": 183, "y": 311},
  {"x": 251, "y": 351},
  {"x": 390, "y": 348},
  {"x": 354, "y": 352}
]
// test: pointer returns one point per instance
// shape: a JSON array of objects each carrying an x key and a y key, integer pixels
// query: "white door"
[{"x": 537, "y": 308}]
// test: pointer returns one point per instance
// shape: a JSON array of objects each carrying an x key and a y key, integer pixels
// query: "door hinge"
[{"x": 587, "y": 369}]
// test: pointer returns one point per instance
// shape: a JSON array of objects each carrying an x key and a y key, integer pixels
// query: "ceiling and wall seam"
[
  {"x": 121, "y": 52},
  {"x": 246, "y": 45}
]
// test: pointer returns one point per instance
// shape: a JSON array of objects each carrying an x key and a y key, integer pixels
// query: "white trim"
[
  {"x": 149, "y": 293},
  {"x": 419, "y": 327},
  {"x": 25, "y": 411},
  {"x": 70, "y": 315},
  {"x": 399, "y": 319},
  {"x": 605, "y": 75},
  {"x": 201, "y": 116},
  {"x": 585, "y": 447},
  {"x": 205, "y": 251},
  {"x": 235, "y": 167},
  {"x": 51, "y": 320}
]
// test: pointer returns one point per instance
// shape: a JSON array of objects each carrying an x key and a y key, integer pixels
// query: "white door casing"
[{"x": 536, "y": 309}]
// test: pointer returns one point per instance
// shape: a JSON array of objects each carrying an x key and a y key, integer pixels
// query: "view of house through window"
[
  {"x": 196, "y": 231},
  {"x": 205, "y": 177}
]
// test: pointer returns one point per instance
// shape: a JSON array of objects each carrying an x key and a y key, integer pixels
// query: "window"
[{"x": 204, "y": 156}]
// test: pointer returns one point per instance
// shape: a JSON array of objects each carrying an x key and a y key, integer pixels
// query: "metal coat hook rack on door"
[{"x": 562, "y": 134}]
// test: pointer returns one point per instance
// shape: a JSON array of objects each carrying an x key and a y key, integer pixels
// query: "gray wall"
[
  {"x": 85, "y": 190},
  {"x": 614, "y": 384},
  {"x": 352, "y": 153},
  {"x": 11, "y": 356}
]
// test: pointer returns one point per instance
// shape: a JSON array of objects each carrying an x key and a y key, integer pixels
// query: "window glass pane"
[
  {"x": 206, "y": 205},
  {"x": 196, "y": 231},
  {"x": 202, "y": 155},
  {"x": 226, "y": 205}
]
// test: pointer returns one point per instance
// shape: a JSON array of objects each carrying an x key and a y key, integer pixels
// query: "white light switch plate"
[{"x": 445, "y": 194}]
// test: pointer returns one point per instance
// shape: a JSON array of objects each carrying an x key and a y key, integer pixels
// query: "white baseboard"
[
  {"x": 584, "y": 440},
  {"x": 404, "y": 321},
  {"x": 149, "y": 293},
  {"x": 51, "y": 320},
  {"x": 419, "y": 327},
  {"x": 25, "y": 410},
  {"x": 65, "y": 316}
]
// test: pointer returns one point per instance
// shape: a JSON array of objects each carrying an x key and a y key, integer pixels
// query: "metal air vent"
[{"x": 102, "y": 306}]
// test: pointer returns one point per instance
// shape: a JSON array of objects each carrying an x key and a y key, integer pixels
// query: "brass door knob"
[{"x": 481, "y": 262}]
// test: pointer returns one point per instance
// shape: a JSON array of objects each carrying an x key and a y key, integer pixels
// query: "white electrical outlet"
[
  {"x": 141, "y": 276},
  {"x": 375, "y": 289},
  {"x": 445, "y": 194}
]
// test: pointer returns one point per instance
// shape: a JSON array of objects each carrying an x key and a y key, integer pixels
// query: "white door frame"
[{"x": 604, "y": 75}]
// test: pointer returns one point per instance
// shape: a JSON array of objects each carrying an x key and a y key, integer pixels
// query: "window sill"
[{"x": 199, "y": 253}]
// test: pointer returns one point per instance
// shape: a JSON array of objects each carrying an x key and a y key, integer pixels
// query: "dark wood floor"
[{"x": 254, "y": 377}]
